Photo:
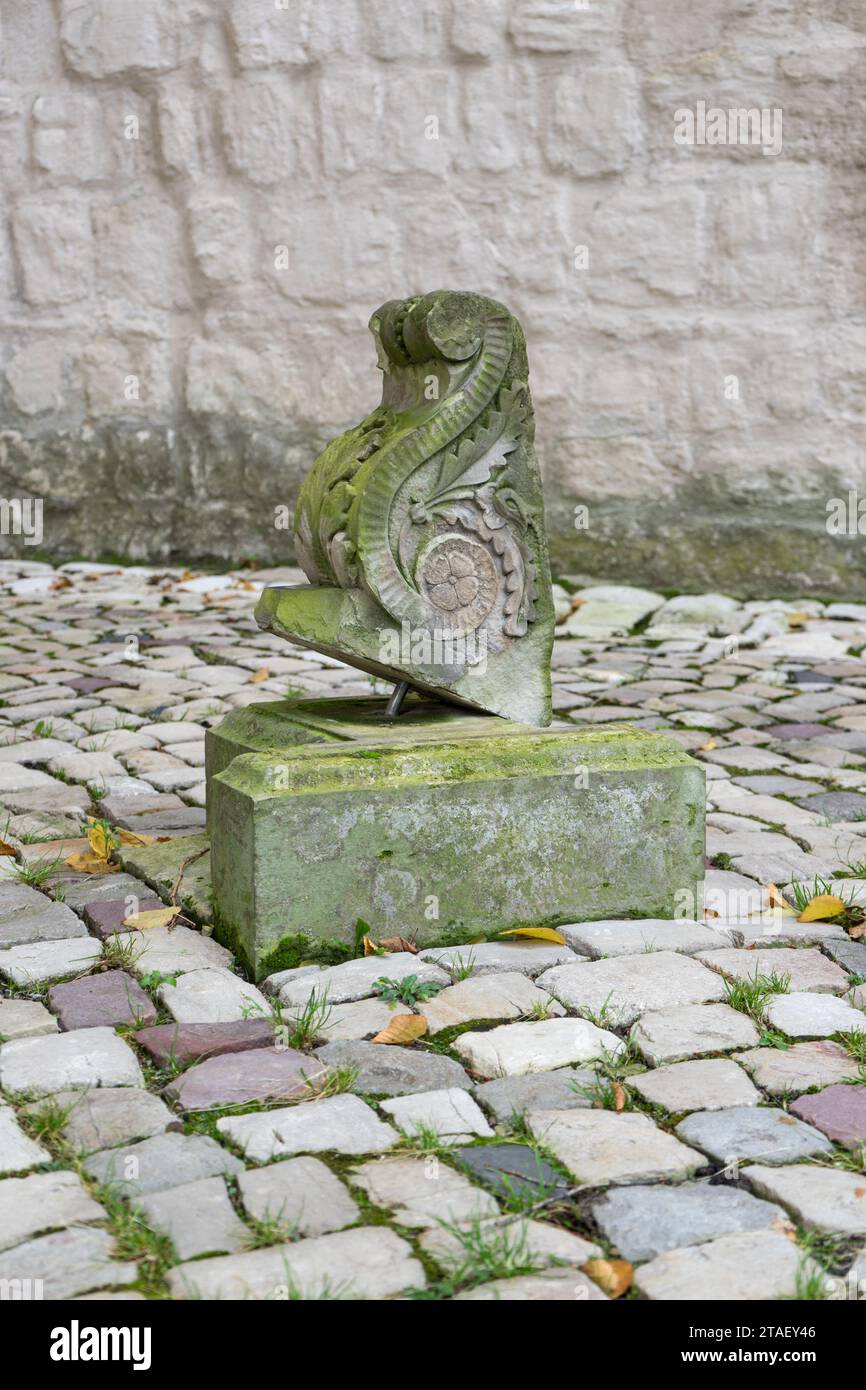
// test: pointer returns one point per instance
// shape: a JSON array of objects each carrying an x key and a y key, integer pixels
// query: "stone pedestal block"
[{"x": 321, "y": 812}]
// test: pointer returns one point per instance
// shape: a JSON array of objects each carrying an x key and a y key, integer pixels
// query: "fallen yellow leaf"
[
  {"x": 708, "y": 746},
  {"x": 128, "y": 837},
  {"x": 798, "y": 619},
  {"x": 613, "y": 1276},
  {"x": 84, "y": 863},
  {"x": 618, "y": 1096},
  {"x": 405, "y": 1028},
  {"x": 100, "y": 842},
  {"x": 261, "y": 675},
  {"x": 820, "y": 908},
  {"x": 6, "y": 849},
  {"x": 536, "y": 934},
  {"x": 156, "y": 917}
]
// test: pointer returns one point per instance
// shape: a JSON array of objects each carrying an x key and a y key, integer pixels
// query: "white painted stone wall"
[{"x": 205, "y": 199}]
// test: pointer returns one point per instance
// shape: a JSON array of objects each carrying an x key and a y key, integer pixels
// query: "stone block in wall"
[
  {"x": 666, "y": 100},
  {"x": 840, "y": 350},
  {"x": 627, "y": 389},
  {"x": 846, "y": 12},
  {"x": 685, "y": 36},
  {"x": 420, "y": 130},
  {"x": 334, "y": 251},
  {"x": 129, "y": 120},
  {"x": 725, "y": 385},
  {"x": 811, "y": 466},
  {"x": 29, "y": 44},
  {"x": 8, "y": 278},
  {"x": 184, "y": 122},
  {"x": 495, "y": 134},
  {"x": 580, "y": 470},
  {"x": 342, "y": 391},
  {"x": 141, "y": 252},
  {"x": 34, "y": 374},
  {"x": 823, "y": 122},
  {"x": 106, "y": 38},
  {"x": 732, "y": 378},
  {"x": 842, "y": 222},
  {"x": 703, "y": 377},
  {"x": 555, "y": 375},
  {"x": 311, "y": 385},
  {"x": 642, "y": 248},
  {"x": 389, "y": 123},
  {"x": 53, "y": 242},
  {"x": 351, "y": 117},
  {"x": 476, "y": 30},
  {"x": 403, "y": 29},
  {"x": 566, "y": 26},
  {"x": 533, "y": 256},
  {"x": 766, "y": 237},
  {"x": 70, "y": 138},
  {"x": 14, "y": 153},
  {"x": 293, "y": 33},
  {"x": 127, "y": 376},
  {"x": 830, "y": 64},
  {"x": 436, "y": 248},
  {"x": 260, "y": 117},
  {"x": 778, "y": 379},
  {"x": 221, "y": 237},
  {"x": 264, "y": 34},
  {"x": 591, "y": 125},
  {"x": 238, "y": 380},
  {"x": 237, "y": 471}
]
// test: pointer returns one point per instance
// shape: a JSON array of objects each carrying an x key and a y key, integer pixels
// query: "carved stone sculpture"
[{"x": 421, "y": 530}]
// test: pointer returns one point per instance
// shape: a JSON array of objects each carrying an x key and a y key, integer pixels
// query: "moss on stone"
[
  {"x": 516, "y": 754},
  {"x": 496, "y": 828},
  {"x": 297, "y": 950},
  {"x": 228, "y": 935}
]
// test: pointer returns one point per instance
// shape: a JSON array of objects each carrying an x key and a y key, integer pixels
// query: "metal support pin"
[{"x": 398, "y": 695}]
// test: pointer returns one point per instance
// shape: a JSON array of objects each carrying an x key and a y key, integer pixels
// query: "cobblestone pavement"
[{"x": 671, "y": 1109}]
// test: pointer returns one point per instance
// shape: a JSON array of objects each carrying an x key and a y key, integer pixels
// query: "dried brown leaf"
[
  {"x": 405, "y": 1028},
  {"x": 129, "y": 837},
  {"x": 775, "y": 900},
  {"x": 613, "y": 1276},
  {"x": 84, "y": 863},
  {"x": 156, "y": 917},
  {"x": 398, "y": 943}
]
